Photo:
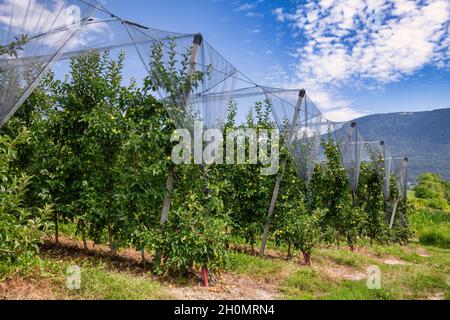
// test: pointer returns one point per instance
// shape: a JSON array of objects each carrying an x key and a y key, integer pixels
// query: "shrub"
[
  {"x": 193, "y": 240},
  {"x": 21, "y": 229},
  {"x": 432, "y": 227}
]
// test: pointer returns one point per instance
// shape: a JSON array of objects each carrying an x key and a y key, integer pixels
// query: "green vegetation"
[
  {"x": 432, "y": 227},
  {"x": 91, "y": 157},
  {"x": 432, "y": 191},
  {"x": 98, "y": 280},
  {"x": 99, "y": 283},
  {"x": 21, "y": 227},
  {"x": 12, "y": 48}
]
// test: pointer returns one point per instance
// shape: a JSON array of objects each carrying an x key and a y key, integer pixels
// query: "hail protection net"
[
  {"x": 193, "y": 81},
  {"x": 303, "y": 126},
  {"x": 185, "y": 71},
  {"x": 37, "y": 31},
  {"x": 398, "y": 167},
  {"x": 350, "y": 145},
  {"x": 300, "y": 123}
]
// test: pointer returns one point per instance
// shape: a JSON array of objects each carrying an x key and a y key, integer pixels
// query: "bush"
[
  {"x": 432, "y": 227},
  {"x": 433, "y": 190},
  {"x": 308, "y": 232},
  {"x": 21, "y": 229},
  {"x": 193, "y": 240}
]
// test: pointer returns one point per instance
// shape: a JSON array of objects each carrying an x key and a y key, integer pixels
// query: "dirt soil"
[
  {"x": 344, "y": 273},
  {"x": 17, "y": 288},
  {"x": 229, "y": 287}
]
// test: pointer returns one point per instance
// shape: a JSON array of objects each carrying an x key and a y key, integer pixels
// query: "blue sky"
[{"x": 354, "y": 57}]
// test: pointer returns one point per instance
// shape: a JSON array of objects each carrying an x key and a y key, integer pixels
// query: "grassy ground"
[
  {"x": 45, "y": 278},
  {"x": 432, "y": 227},
  {"x": 420, "y": 270},
  {"x": 412, "y": 272}
]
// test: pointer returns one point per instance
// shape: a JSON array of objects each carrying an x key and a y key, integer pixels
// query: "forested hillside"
[{"x": 422, "y": 136}]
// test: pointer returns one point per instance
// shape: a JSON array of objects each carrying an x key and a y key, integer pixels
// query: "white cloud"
[
  {"x": 327, "y": 99},
  {"x": 362, "y": 43},
  {"x": 255, "y": 15},
  {"x": 343, "y": 114},
  {"x": 359, "y": 40},
  {"x": 245, "y": 7},
  {"x": 279, "y": 13}
]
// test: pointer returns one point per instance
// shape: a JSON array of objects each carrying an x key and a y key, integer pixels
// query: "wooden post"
[
  {"x": 276, "y": 189},
  {"x": 55, "y": 221},
  {"x": 354, "y": 129},
  {"x": 405, "y": 194},
  {"x": 403, "y": 176},
  {"x": 387, "y": 176},
  {"x": 167, "y": 199},
  {"x": 205, "y": 277},
  {"x": 394, "y": 209},
  {"x": 198, "y": 39}
]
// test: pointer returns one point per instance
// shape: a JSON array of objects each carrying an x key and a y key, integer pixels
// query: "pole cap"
[
  {"x": 381, "y": 143},
  {"x": 353, "y": 124},
  {"x": 302, "y": 93},
  {"x": 198, "y": 39}
]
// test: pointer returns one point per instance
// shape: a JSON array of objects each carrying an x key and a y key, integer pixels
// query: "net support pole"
[
  {"x": 354, "y": 127},
  {"x": 170, "y": 178},
  {"x": 405, "y": 193},
  {"x": 394, "y": 210},
  {"x": 385, "y": 177},
  {"x": 402, "y": 184},
  {"x": 276, "y": 189}
]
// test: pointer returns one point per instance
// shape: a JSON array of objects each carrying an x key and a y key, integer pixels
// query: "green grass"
[
  {"x": 342, "y": 257},
  {"x": 98, "y": 281},
  {"x": 306, "y": 284},
  {"x": 258, "y": 267},
  {"x": 357, "y": 290},
  {"x": 432, "y": 227},
  {"x": 420, "y": 277},
  {"x": 411, "y": 195},
  {"x": 101, "y": 284}
]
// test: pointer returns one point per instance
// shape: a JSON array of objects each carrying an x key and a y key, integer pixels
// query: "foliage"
[
  {"x": 98, "y": 155},
  {"x": 14, "y": 46},
  {"x": 433, "y": 191},
  {"x": 432, "y": 227},
  {"x": 192, "y": 239},
  {"x": 21, "y": 227},
  {"x": 330, "y": 189},
  {"x": 247, "y": 206},
  {"x": 371, "y": 199}
]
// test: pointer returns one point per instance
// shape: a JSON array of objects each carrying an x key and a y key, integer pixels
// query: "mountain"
[{"x": 424, "y": 137}]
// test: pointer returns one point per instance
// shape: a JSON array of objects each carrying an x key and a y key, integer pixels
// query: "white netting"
[
  {"x": 185, "y": 71},
  {"x": 399, "y": 168},
  {"x": 350, "y": 144},
  {"x": 192, "y": 79},
  {"x": 43, "y": 29}
]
